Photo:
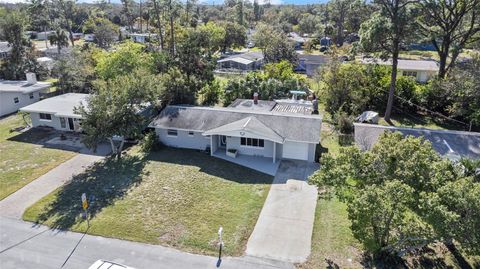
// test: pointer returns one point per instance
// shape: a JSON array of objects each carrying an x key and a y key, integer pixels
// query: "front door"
[
  {"x": 223, "y": 141},
  {"x": 70, "y": 124}
]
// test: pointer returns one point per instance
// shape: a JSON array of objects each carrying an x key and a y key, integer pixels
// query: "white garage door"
[{"x": 295, "y": 150}]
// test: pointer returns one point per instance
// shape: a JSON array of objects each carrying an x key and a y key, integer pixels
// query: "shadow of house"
[
  {"x": 103, "y": 183},
  {"x": 210, "y": 165},
  {"x": 50, "y": 138}
]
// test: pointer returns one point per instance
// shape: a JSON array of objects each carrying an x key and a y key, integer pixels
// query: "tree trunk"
[
  {"x": 172, "y": 30},
  {"x": 393, "y": 81},
  {"x": 114, "y": 149},
  {"x": 442, "y": 70},
  {"x": 120, "y": 148},
  {"x": 46, "y": 36},
  {"x": 159, "y": 24}
]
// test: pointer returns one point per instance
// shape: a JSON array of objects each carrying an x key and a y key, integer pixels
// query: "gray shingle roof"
[
  {"x": 426, "y": 65},
  {"x": 292, "y": 127},
  {"x": 4, "y": 47},
  {"x": 22, "y": 86}
]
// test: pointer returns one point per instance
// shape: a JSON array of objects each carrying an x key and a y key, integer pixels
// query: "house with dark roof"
[
  {"x": 309, "y": 63},
  {"x": 248, "y": 61},
  {"x": 251, "y": 132}
]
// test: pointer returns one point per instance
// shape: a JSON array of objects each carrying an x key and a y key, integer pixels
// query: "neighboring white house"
[
  {"x": 44, "y": 35},
  {"x": 58, "y": 112},
  {"x": 89, "y": 37},
  {"x": 17, "y": 94},
  {"x": 142, "y": 38},
  {"x": 229, "y": 133},
  {"x": 241, "y": 62},
  {"x": 421, "y": 70},
  {"x": 5, "y": 50}
]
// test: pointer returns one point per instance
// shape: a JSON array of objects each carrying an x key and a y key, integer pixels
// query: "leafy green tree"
[
  {"x": 118, "y": 109},
  {"x": 12, "y": 29},
  {"x": 59, "y": 39},
  {"x": 104, "y": 30},
  {"x": 308, "y": 23},
  {"x": 38, "y": 12},
  {"x": 385, "y": 32},
  {"x": 454, "y": 212},
  {"x": 235, "y": 36},
  {"x": 450, "y": 26},
  {"x": 177, "y": 88},
  {"x": 462, "y": 91},
  {"x": 274, "y": 44},
  {"x": 382, "y": 220},
  {"x": 211, "y": 94},
  {"x": 397, "y": 194},
  {"x": 126, "y": 58},
  {"x": 76, "y": 72}
]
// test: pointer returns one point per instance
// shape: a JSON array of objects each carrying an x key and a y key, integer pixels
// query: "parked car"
[{"x": 102, "y": 264}]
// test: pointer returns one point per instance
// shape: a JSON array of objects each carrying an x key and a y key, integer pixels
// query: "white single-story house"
[
  {"x": 58, "y": 112},
  {"x": 17, "y": 94},
  {"x": 243, "y": 62},
  {"x": 258, "y": 135},
  {"x": 421, "y": 70},
  {"x": 89, "y": 37},
  {"x": 142, "y": 38}
]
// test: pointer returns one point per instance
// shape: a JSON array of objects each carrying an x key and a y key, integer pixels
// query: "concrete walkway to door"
[{"x": 284, "y": 227}]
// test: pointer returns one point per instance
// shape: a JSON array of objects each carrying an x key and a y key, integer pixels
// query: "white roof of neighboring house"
[
  {"x": 22, "y": 86},
  {"x": 244, "y": 58},
  {"x": 424, "y": 65},
  {"x": 44, "y": 59},
  {"x": 237, "y": 59},
  {"x": 61, "y": 105}
]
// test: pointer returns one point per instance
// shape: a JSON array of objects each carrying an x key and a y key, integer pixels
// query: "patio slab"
[{"x": 261, "y": 164}]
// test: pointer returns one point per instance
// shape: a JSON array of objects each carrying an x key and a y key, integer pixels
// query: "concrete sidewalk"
[
  {"x": 284, "y": 227},
  {"x": 23, "y": 245},
  {"x": 15, "y": 204}
]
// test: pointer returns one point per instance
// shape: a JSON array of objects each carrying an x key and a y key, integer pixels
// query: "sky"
[{"x": 295, "y": 2}]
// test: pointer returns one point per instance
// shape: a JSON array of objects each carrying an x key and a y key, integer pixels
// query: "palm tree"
[{"x": 59, "y": 38}]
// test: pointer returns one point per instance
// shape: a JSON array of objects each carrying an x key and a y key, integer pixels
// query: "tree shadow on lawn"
[
  {"x": 210, "y": 165},
  {"x": 104, "y": 183}
]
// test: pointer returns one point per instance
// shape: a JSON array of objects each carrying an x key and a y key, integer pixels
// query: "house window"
[
  {"x": 31, "y": 95},
  {"x": 45, "y": 116},
  {"x": 63, "y": 123},
  {"x": 409, "y": 74},
  {"x": 171, "y": 132},
  {"x": 252, "y": 142},
  {"x": 191, "y": 133},
  {"x": 15, "y": 100}
]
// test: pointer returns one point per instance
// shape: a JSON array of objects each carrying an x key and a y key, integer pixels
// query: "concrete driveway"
[{"x": 284, "y": 227}]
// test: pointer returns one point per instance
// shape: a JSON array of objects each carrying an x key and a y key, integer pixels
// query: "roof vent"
[{"x": 31, "y": 78}]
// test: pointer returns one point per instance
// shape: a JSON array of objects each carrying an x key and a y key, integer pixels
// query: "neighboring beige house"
[
  {"x": 58, "y": 112},
  {"x": 421, "y": 70},
  {"x": 17, "y": 94}
]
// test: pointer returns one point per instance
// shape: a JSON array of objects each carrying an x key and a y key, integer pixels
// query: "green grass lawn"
[
  {"x": 21, "y": 160},
  {"x": 171, "y": 197}
]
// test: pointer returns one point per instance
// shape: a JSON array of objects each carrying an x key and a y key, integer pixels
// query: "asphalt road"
[
  {"x": 25, "y": 245},
  {"x": 452, "y": 144}
]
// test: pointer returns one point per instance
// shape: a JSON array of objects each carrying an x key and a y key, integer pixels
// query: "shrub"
[
  {"x": 343, "y": 123},
  {"x": 150, "y": 142}
]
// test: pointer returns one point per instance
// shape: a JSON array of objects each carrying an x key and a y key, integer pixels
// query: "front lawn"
[
  {"x": 22, "y": 160},
  {"x": 172, "y": 197}
]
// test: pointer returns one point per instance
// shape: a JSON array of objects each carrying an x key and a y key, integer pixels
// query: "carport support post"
[
  {"x": 211, "y": 145},
  {"x": 274, "y": 151}
]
